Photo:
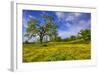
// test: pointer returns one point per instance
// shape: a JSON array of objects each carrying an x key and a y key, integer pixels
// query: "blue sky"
[{"x": 69, "y": 23}]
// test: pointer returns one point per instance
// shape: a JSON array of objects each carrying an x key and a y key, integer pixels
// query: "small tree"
[
  {"x": 72, "y": 37},
  {"x": 85, "y": 34},
  {"x": 58, "y": 39}
]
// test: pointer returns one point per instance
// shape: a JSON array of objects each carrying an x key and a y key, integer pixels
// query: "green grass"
[{"x": 56, "y": 51}]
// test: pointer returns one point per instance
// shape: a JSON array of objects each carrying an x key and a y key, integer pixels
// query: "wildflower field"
[{"x": 55, "y": 51}]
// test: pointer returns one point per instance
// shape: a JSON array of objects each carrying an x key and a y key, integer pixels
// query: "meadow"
[{"x": 55, "y": 51}]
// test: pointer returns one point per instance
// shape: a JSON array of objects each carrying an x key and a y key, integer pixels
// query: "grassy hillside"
[
  {"x": 81, "y": 41},
  {"x": 56, "y": 51}
]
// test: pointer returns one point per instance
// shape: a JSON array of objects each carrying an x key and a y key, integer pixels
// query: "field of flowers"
[{"x": 55, "y": 51}]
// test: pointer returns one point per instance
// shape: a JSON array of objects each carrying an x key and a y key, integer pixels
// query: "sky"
[{"x": 69, "y": 23}]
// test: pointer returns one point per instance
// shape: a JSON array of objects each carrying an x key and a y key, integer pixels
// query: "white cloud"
[
  {"x": 73, "y": 16},
  {"x": 69, "y": 18},
  {"x": 75, "y": 26},
  {"x": 74, "y": 29},
  {"x": 43, "y": 12},
  {"x": 68, "y": 25},
  {"x": 30, "y": 16},
  {"x": 24, "y": 23},
  {"x": 25, "y": 20},
  {"x": 66, "y": 34},
  {"x": 77, "y": 14},
  {"x": 60, "y": 15},
  {"x": 84, "y": 24}
]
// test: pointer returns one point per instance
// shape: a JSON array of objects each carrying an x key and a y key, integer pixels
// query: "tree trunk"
[{"x": 41, "y": 39}]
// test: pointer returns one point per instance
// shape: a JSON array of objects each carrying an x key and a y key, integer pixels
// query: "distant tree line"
[{"x": 84, "y": 35}]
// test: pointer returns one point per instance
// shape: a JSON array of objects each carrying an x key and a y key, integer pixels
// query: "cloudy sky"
[{"x": 69, "y": 23}]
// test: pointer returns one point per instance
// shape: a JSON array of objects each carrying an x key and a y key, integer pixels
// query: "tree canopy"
[{"x": 49, "y": 28}]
